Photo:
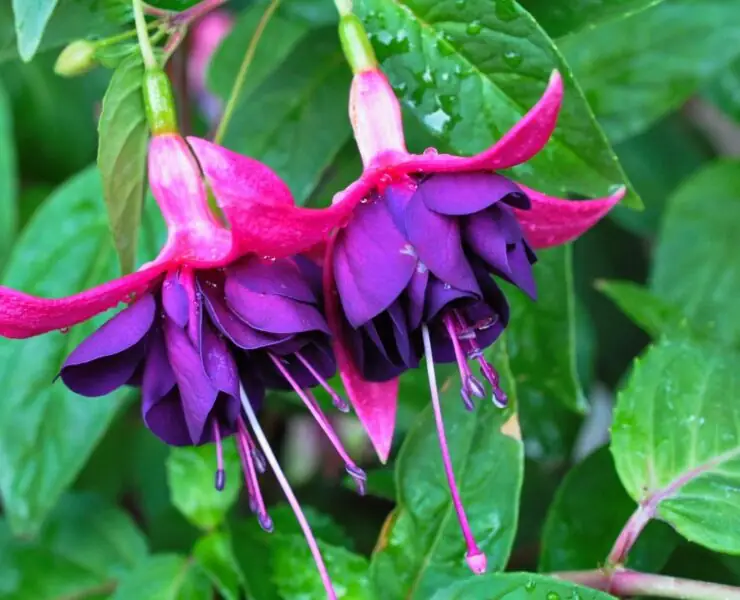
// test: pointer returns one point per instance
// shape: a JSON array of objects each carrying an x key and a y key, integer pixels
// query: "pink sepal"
[
  {"x": 554, "y": 221},
  {"x": 374, "y": 403},
  {"x": 22, "y": 315},
  {"x": 260, "y": 207}
]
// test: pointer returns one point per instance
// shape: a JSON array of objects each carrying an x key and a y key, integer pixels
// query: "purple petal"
[
  {"x": 416, "y": 293},
  {"x": 441, "y": 295},
  {"x": 484, "y": 235},
  {"x": 396, "y": 197},
  {"x": 373, "y": 263},
  {"x": 109, "y": 357},
  {"x": 520, "y": 273},
  {"x": 197, "y": 392},
  {"x": 272, "y": 277},
  {"x": 217, "y": 362},
  {"x": 175, "y": 301},
  {"x": 231, "y": 326},
  {"x": 272, "y": 314},
  {"x": 401, "y": 335},
  {"x": 436, "y": 239},
  {"x": 161, "y": 406},
  {"x": 467, "y": 193}
]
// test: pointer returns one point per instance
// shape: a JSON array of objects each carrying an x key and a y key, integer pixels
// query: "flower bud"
[{"x": 76, "y": 59}]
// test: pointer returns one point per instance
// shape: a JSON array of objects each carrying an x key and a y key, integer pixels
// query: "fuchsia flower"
[
  {"x": 219, "y": 316},
  {"x": 420, "y": 241}
]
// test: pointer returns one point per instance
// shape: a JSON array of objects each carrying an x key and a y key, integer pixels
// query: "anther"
[
  {"x": 475, "y": 386},
  {"x": 467, "y": 400},
  {"x": 220, "y": 479},
  {"x": 359, "y": 476}
]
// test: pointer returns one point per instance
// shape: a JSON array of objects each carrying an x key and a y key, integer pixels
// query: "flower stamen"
[
  {"x": 339, "y": 402},
  {"x": 220, "y": 482},
  {"x": 256, "y": 502},
  {"x": 475, "y": 558},
  {"x": 290, "y": 496},
  {"x": 313, "y": 406},
  {"x": 470, "y": 385}
]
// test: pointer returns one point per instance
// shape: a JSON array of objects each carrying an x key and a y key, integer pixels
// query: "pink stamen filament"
[
  {"x": 289, "y": 495},
  {"x": 253, "y": 483},
  {"x": 475, "y": 558},
  {"x": 499, "y": 396},
  {"x": 462, "y": 363},
  {"x": 220, "y": 472},
  {"x": 313, "y": 406},
  {"x": 338, "y": 401}
]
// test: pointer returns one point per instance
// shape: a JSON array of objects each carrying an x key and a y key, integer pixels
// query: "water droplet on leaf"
[
  {"x": 474, "y": 28},
  {"x": 513, "y": 59}
]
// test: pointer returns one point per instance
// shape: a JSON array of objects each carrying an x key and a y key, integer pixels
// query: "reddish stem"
[{"x": 627, "y": 583}]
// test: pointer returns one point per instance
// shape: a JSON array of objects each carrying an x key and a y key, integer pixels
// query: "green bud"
[
  {"x": 159, "y": 102},
  {"x": 356, "y": 45},
  {"x": 76, "y": 59}
]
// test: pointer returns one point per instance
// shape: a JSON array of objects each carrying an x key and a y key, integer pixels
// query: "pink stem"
[
  {"x": 196, "y": 12},
  {"x": 629, "y": 534},
  {"x": 475, "y": 558},
  {"x": 627, "y": 583},
  {"x": 289, "y": 495}
]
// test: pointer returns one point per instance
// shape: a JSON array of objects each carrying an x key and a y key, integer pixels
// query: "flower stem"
[
  {"x": 344, "y": 7},
  {"x": 196, "y": 12},
  {"x": 629, "y": 534},
  {"x": 627, "y": 583},
  {"x": 242, "y": 74},
  {"x": 142, "y": 31}
]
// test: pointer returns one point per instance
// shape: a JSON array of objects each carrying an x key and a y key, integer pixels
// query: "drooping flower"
[
  {"x": 211, "y": 323},
  {"x": 422, "y": 242}
]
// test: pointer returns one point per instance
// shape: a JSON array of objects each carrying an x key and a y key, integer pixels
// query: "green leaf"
[
  {"x": 85, "y": 546},
  {"x": 8, "y": 179},
  {"x": 278, "y": 40},
  {"x": 656, "y": 161},
  {"x": 470, "y": 71},
  {"x": 423, "y": 548},
  {"x": 676, "y": 440},
  {"x": 72, "y": 19},
  {"x": 165, "y": 577},
  {"x": 580, "y": 532},
  {"x": 191, "y": 472},
  {"x": 215, "y": 555},
  {"x": 635, "y": 70},
  {"x": 724, "y": 91},
  {"x": 695, "y": 264},
  {"x": 541, "y": 337},
  {"x": 46, "y": 431},
  {"x": 653, "y": 314},
  {"x": 296, "y": 120},
  {"x": 31, "y": 17},
  {"x": 561, "y": 18},
  {"x": 122, "y": 142},
  {"x": 517, "y": 586},
  {"x": 257, "y": 551},
  {"x": 296, "y": 576},
  {"x": 54, "y": 117}
]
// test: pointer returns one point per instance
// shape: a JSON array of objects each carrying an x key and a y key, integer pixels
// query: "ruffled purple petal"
[
  {"x": 110, "y": 356},
  {"x": 436, "y": 239},
  {"x": 468, "y": 193},
  {"x": 441, "y": 295},
  {"x": 240, "y": 334},
  {"x": 270, "y": 313},
  {"x": 272, "y": 277},
  {"x": 218, "y": 362},
  {"x": 373, "y": 263},
  {"x": 484, "y": 236},
  {"x": 416, "y": 294},
  {"x": 175, "y": 301},
  {"x": 197, "y": 393},
  {"x": 520, "y": 273},
  {"x": 161, "y": 406},
  {"x": 397, "y": 197}
]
